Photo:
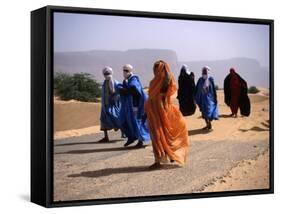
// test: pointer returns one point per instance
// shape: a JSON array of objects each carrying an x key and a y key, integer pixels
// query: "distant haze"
[
  {"x": 142, "y": 59},
  {"x": 87, "y": 43}
]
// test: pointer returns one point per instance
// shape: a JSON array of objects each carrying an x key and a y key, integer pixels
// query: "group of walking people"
[
  {"x": 141, "y": 117},
  {"x": 205, "y": 96}
]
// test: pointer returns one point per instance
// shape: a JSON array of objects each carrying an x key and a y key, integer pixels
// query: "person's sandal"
[
  {"x": 140, "y": 145},
  {"x": 155, "y": 166},
  {"x": 104, "y": 140},
  {"x": 205, "y": 128},
  {"x": 128, "y": 143}
]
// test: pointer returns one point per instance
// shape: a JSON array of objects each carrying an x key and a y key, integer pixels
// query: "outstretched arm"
[{"x": 126, "y": 91}]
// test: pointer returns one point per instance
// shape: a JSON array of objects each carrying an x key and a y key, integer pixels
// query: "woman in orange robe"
[{"x": 167, "y": 126}]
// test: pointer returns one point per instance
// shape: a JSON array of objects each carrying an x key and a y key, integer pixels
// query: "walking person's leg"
[{"x": 105, "y": 139}]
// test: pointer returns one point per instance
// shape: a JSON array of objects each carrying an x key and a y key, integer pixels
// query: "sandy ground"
[
  {"x": 74, "y": 115},
  {"x": 248, "y": 174},
  {"x": 233, "y": 156}
]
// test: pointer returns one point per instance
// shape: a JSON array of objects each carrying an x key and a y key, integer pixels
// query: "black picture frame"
[{"x": 42, "y": 104}]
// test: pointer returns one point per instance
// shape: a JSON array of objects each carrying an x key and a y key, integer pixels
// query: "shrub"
[
  {"x": 217, "y": 87},
  {"x": 253, "y": 90},
  {"x": 79, "y": 86}
]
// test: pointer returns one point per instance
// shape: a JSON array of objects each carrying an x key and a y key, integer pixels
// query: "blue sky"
[{"x": 192, "y": 40}]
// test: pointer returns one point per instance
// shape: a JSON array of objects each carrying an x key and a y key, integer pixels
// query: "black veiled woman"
[{"x": 186, "y": 91}]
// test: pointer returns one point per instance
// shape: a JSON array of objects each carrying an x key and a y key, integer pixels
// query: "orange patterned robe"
[{"x": 167, "y": 126}]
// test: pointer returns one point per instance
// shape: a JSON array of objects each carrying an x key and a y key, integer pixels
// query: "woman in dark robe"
[
  {"x": 236, "y": 94},
  {"x": 186, "y": 92}
]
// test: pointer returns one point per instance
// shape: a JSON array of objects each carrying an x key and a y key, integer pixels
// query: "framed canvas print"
[{"x": 132, "y": 106}]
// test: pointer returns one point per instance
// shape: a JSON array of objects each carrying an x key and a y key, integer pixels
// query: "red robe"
[{"x": 235, "y": 86}]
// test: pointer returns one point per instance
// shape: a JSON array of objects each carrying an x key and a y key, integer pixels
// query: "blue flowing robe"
[
  {"x": 110, "y": 108},
  {"x": 130, "y": 121},
  {"x": 207, "y": 100}
]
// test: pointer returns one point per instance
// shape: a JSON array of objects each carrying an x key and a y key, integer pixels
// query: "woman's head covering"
[
  {"x": 162, "y": 77},
  {"x": 234, "y": 78},
  {"x": 127, "y": 70},
  {"x": 185, "y": 69},
  {"x": 232, "y": 71},
  {"x": 158, "y": 67}
]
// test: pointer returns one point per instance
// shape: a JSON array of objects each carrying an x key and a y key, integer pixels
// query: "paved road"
[{"x": 87, "y": 169}]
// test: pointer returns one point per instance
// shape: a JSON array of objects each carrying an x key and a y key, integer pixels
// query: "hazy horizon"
[
  {"x": 191, "y": 40},
  {"x": 197, "y": 60}
]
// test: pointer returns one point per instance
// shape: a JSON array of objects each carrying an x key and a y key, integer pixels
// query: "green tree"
[
  {"x": 79, "y": 86},
  {"x": 253, "y": 90}
]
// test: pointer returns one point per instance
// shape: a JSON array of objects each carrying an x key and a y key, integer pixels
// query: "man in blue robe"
[
  {"x": 111, "y": 104},
  {"x": 131, "y": 116},
  {"x": 206, "y": 98}
]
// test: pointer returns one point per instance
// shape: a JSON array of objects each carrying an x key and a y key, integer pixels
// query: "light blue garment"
[
  {"x": 132, "y": 111},
  {"x": 111, "y": 109},
  {"x": 206, "y": 99}
]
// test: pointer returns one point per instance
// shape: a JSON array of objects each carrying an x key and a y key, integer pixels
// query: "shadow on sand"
[
  {"x": 121, "y": 170},
  {"x": 88, "y": 143},
  {"x": 225, "y": 116},
  {"x": 266, "y": 124},
  {"x": 85, "y": 151},
  {"x": 198, "y": 131},
  {"x": 255, "y": 128}
]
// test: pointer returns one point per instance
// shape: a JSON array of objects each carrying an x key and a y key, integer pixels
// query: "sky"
[{"x": 191, "y": 40}]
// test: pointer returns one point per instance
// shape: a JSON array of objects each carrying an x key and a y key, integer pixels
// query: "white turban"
[
  {"x": 207, "y": 68},
  {"x": 129, "y": 68},
  {"x": 107, "y": 72},
  {"x": 206, "y": 77}
]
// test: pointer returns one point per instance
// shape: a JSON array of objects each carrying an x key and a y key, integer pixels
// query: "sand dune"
[
  {"x": 73, "y": 118},
  {"x": 71, "y": 115}
]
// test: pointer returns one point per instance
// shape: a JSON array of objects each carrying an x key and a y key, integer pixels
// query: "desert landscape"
[{"x": 234, "y": 156}]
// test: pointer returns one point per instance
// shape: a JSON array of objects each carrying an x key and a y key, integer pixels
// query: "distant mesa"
[
  {"x": 142, "y": 59},
  {"x": 248, "y": 68}
]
